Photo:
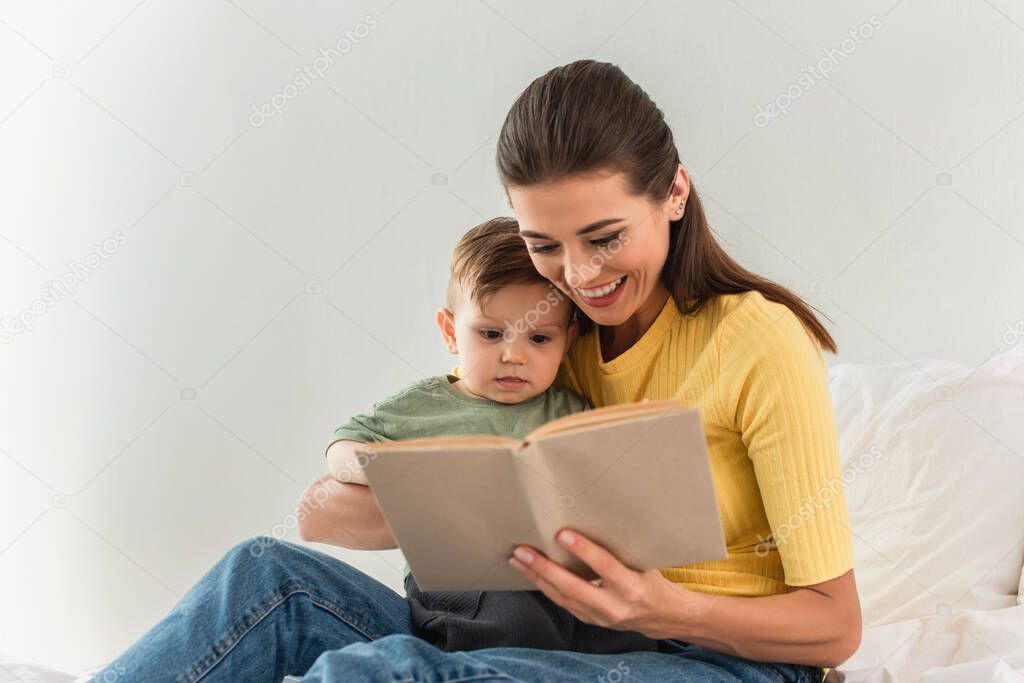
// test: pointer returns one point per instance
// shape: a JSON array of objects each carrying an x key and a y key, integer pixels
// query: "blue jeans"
[{"x": 271, "y": 608}]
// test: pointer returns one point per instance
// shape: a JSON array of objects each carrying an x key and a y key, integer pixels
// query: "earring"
[{"x": 679, "y": 209}]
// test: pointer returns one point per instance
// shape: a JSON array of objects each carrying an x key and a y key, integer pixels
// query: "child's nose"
[{"x": 513, "y": 354}]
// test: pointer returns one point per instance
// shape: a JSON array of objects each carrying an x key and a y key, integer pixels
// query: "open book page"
[
  {"x": 455, "y": 512},
  {"x": 642, "y": 488}
]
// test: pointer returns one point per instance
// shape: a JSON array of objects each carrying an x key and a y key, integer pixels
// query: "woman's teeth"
[{"x": 601, "y": 291}]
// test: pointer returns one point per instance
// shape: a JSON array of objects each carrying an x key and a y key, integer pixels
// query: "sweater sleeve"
[{"x": 775, "y": 390}]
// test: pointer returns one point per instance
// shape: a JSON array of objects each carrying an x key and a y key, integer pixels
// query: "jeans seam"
[{"x": 280, "y": 596}]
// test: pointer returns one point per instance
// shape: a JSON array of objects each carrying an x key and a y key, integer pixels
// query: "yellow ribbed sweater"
[{"x": 760, "y": 381}]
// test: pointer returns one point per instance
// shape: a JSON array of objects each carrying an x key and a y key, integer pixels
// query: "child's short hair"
[{"x": 488, "y": 257}]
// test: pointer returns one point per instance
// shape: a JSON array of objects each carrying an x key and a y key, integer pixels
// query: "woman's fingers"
[
  {"x": 563, "y": 587},
  {"x": 604, "y": 564},
  {"x": 596, "y": 604},
  {"x": 626, "y": 599}
]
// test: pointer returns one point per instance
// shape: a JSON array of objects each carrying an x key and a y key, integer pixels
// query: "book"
[{"x": 634, "y": 478}]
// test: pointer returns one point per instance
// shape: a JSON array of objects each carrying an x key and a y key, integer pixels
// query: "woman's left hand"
[{"x": 626, "y": 600}]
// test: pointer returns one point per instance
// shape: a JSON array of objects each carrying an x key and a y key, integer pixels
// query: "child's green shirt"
[{"x": 433, "y": 407}]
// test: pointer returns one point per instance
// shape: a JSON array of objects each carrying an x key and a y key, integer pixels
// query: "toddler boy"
[{"x": 510, "y": 328}]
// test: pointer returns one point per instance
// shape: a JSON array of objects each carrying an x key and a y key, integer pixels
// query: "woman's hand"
[
  {"x": 344, "y": 515},
  {"x": 625, "y": 600}
]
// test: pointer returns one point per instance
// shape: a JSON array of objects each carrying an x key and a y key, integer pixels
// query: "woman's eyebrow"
[{"x": 597, "y": 225}]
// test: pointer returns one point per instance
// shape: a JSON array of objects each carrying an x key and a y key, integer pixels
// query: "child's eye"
[
  {"x": 539, "y": 338},
  {"x": 491, "y": 334},
  {"x": 603, "y": 241}
]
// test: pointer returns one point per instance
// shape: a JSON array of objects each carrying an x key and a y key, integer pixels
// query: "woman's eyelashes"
[
  {"x": 605, "y": 241},
  {"x": 598, "y": 242}
]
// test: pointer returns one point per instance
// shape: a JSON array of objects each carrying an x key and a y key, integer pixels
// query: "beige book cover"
[{"x": 633, "y": 477}]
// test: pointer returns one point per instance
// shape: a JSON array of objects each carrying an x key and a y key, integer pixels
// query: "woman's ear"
[
  {"x": 446, "y": 321},
  {"x": 679, "y": 194}
]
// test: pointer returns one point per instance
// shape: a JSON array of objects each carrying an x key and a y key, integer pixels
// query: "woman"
[{"x": 610, "y": 217}]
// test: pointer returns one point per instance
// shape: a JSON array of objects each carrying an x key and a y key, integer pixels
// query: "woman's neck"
[{"x": 618, "y": 339}]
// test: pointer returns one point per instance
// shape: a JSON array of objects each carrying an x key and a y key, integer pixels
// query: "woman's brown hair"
[{"x": 589, "y": 116}]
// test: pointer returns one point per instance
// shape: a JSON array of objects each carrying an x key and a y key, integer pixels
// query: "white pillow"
[{"x": 933, "y": 462}]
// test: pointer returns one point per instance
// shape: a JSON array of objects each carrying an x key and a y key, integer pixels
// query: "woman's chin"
[{"x": 605, "y": 317}]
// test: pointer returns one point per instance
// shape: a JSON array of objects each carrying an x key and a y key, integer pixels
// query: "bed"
[
  {"x": 936, "y": 451},
  {"x": 933, "y": 462}
]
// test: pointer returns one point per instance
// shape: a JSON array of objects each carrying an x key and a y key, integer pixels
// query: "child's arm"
[{"x": 344, "y": 464}]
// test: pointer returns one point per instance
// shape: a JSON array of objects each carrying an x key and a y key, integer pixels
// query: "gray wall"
[{"x": 245, "y": 277}]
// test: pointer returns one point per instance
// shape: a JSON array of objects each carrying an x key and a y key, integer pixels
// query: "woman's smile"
[{"x": 602, "y": 296}]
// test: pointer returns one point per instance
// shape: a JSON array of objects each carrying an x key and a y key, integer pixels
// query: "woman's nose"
[{"x": 572, "y": 269}]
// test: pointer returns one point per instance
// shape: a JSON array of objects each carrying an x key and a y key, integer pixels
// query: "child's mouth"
[{"x": 511, "y": 382}]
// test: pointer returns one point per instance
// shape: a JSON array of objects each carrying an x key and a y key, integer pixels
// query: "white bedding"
[
  {"x": 13, "y": 670},
  {"x": 964, "y": 647},
  {"x": 937, "y": 519}
]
